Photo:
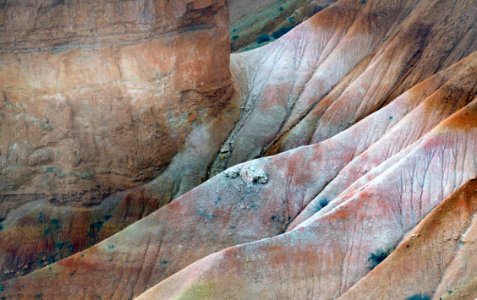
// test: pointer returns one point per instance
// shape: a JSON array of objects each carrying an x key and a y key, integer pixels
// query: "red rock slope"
[
  {"x": 395, "y": 137},
  {"x": 252, "y": 204},
  {"x": 434, "y": 258}
]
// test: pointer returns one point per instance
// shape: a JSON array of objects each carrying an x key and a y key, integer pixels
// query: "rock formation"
[
  {"x": 98, "y": 97},
  {"x": 363, "y": 120},
  {"x": 255, "y": 23}
]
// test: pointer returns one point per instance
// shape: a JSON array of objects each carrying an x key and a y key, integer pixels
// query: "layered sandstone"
[
  {"x": 385, "y": 93},
  {"x": 98, "y": 97},
  {"x": 257, "y": 207}
]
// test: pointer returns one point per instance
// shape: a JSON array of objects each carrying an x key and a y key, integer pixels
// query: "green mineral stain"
[{"x": 199, "y": 291}]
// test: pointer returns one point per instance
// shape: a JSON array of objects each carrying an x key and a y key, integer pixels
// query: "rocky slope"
[
  {"x": 435, "y": 250},
  {"x": 255, "y": 23},
  {"x": 385, "y": 93},
  {"x": 96, "y": 98},
  {"x": 259, "y": 199},
  {"x": 63, "y": 167}
]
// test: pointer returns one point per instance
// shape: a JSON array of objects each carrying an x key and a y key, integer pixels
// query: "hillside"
[{"x": 147, "y": 160}]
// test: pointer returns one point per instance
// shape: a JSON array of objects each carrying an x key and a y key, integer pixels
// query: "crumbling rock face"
[
  {"x": 98, "y": 97},
  {"x": 385, "y": 93},
  {"x": 353, "y": 229}
]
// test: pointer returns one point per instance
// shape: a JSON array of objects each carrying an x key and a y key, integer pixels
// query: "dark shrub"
[
  {"x": 377, "y": 257},
  {"x": 262, "y": 38},
  {"x": 281, "y": 32},
  {"x": 419, "y": 297},
  {"x": 321, "y": 203},
  {"x": 316, "y": 9},
  {"x": 324, "y": 202}
]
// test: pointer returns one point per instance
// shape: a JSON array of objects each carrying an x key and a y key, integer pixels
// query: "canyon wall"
[
  {"x": 348, "y": 147},
  {"x": 98, "y": 97}
]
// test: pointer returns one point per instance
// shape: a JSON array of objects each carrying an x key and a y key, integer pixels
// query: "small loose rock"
[
  {"x": 232, "y": 173},
  {"x": 254, "y": 175}
]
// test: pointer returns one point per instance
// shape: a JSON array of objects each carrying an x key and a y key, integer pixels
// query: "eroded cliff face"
[
  {"x": 98, "y": 97},
  {"x": 263, "y": 208},
  {"x": 382, "y": 94}
]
